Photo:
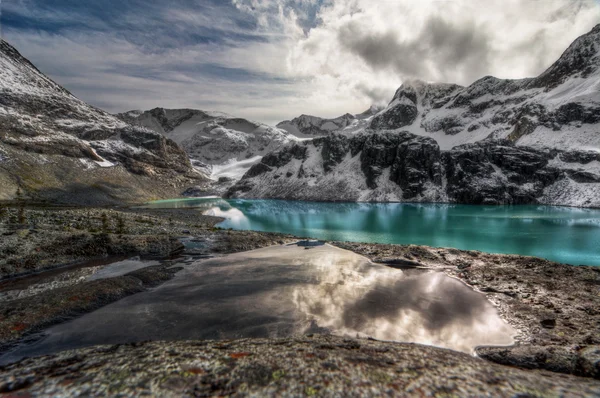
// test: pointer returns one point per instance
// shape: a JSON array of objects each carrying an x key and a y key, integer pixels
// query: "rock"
[
  {"x": 548, "y": 323},
  {"x": 402, "y": 111},
  {"x": 498, "y": 172},
  {"x": 418, "y": 163},
  {"x": 301, "y": 366},
  {"x": 589, "y": 361}
]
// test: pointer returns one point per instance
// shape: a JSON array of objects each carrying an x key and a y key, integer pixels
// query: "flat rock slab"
[{"x": 308, "y": 366}]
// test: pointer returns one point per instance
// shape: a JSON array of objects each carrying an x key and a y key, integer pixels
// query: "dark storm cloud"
[{"x": 440, "y": 50}]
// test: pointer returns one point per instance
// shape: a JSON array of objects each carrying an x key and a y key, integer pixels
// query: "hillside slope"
[{"x": 55, "y": 146}]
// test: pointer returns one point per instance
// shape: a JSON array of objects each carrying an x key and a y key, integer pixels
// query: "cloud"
[
  {"x": 370, "y": 48},
  {"x": 271, "y": 60}
]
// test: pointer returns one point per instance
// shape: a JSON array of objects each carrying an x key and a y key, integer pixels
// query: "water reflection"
[
  {"x": 567, "y": 235},
  {"x": 354, "y": 297},
  {"x": 288, "y": 290}
]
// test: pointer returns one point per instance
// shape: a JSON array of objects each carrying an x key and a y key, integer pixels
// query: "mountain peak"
[{"x": 581, "y": 59}]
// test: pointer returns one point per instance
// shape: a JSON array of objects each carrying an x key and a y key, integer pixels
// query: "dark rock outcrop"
[
  {"x": 401, "y": 112},
  {"x": 417, "y": 163},
  {"x": 486, "y": 172},
  {"x": 497, "y": 172}
]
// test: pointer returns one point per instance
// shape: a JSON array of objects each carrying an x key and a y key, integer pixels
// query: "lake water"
[{"x": 562, "y": 234}]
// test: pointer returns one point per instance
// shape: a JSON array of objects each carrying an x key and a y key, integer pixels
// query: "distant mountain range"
[
  {"x": 313, "y": 126},
  {"x": 495, "y": 142},
  {"x": 558, "y": 109}
]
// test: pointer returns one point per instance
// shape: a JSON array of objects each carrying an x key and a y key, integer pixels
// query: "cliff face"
[
  {"x": 52, "y": 143},
  {"x": 399, "y": 166}
]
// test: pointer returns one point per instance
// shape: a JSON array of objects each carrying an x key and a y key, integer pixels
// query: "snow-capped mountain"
[
  {"x": 558, "y": 109},
  {"x": 231, "y": 145},
  {"x": 53, "y": 145},
  {"x": 495, "y": 142},
  {"x": 377, "y": 166},
  {"x": 313, "y": 126}
]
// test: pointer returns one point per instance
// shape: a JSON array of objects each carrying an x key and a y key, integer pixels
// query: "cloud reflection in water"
[
  {"x": 287, "y": 290},
  {"x": 354, "y": 297}
]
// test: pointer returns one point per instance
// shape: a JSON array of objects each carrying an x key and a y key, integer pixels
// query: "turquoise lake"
[{"x": 562, "y": 234}]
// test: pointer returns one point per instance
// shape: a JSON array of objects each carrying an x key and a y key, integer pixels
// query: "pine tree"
[
  {"x": 104, "y": 221},
  {"x": 21, "y": 214},
  {"x": 120, "y": 225}
]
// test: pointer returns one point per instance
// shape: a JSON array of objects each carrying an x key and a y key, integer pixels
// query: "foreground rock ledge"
[{"x": 303, "y": 366}]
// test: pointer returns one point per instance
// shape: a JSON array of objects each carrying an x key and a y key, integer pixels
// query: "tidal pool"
[
  {"x": 289, "y": 290},
  {"x": 562, "y": 234}
]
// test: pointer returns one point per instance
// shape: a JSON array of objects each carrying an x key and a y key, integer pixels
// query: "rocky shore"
[{"x": 47, "y": 254}]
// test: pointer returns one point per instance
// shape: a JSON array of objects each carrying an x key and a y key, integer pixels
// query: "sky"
[{"x": 272, "y": 60}]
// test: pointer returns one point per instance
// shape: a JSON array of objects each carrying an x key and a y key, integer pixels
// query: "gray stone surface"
[{"x": 303, "y": 366}]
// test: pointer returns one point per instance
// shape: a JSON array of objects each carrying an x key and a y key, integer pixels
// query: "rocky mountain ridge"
[
  {"x": 313, "y": 126},
  {"x": 55, "y": 146},
  {"x": 558, "y": 109},
  {"x": 403, "y": 167},
  {"x": 497, "y": 141}
]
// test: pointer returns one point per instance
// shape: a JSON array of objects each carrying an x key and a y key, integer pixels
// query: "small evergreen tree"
[
  {"x": 120, "y": 225},
  {"x": 21, "y": 214},
  {"x": 104, "y": 221}
]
